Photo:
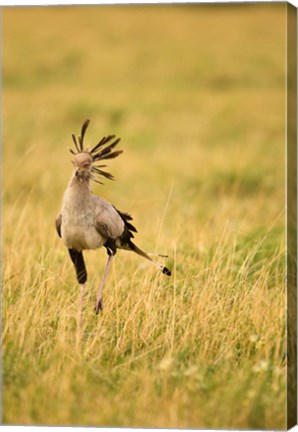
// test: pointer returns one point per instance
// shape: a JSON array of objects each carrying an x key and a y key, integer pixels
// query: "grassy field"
[{"x": 197, "y": 95}]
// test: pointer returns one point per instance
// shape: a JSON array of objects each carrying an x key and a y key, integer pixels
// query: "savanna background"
[{"x": 197, "y": 93}]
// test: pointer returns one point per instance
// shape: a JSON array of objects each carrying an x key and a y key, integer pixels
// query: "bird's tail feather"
[{"x": 140, "y": 252}]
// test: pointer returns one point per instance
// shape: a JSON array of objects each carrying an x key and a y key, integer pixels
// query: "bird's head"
[
  {"x": 82, "y": 163},
  {"x": 86, "y": 161}
]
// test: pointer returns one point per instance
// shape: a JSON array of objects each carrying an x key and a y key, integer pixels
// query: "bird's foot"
[
  {"x": 98, "y": 306},
  {"x": 166, "y": 271}
]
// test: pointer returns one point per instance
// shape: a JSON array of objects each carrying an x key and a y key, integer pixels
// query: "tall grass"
[{"x": 197, "y": 93}]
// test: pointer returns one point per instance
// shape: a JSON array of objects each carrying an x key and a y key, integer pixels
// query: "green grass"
[{"x": 197, "y": 95}]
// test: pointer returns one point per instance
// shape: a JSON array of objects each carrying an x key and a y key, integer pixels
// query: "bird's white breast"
[{"x": 78, "y": 222}]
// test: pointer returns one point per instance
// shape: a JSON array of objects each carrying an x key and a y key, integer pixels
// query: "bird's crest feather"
[{"x": 103, "y": 150}]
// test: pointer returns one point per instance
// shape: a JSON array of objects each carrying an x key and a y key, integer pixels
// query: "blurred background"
[{"x": 197, "y": 93}]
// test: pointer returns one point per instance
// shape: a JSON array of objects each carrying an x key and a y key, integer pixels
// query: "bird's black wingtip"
[{"x": 166, "y": 271}]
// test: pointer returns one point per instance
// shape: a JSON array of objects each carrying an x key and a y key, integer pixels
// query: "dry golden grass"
[{"x": 197, "y": 93}]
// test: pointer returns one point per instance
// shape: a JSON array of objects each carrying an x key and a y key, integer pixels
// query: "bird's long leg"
[
  {"x": 98, "y": 305},
  {"x": 78, "y": 261},
  {"x": 133, "y": 247},
  {"x": 82, "y": 289}
]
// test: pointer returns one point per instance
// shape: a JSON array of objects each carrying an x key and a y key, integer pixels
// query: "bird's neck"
[{"x": 80, "y": 182}]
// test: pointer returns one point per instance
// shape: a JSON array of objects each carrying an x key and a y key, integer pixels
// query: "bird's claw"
[{"x": 98, "y": 306}]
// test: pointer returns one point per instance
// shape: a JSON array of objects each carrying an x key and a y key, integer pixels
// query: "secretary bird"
[{"x": 87, "y": 221}]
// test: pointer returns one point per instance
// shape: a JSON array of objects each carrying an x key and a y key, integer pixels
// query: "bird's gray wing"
[
  {"x": 58, "y": 223},
  {"x": 108, "y": 222},
  {"x": 102, "y": 228}
]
